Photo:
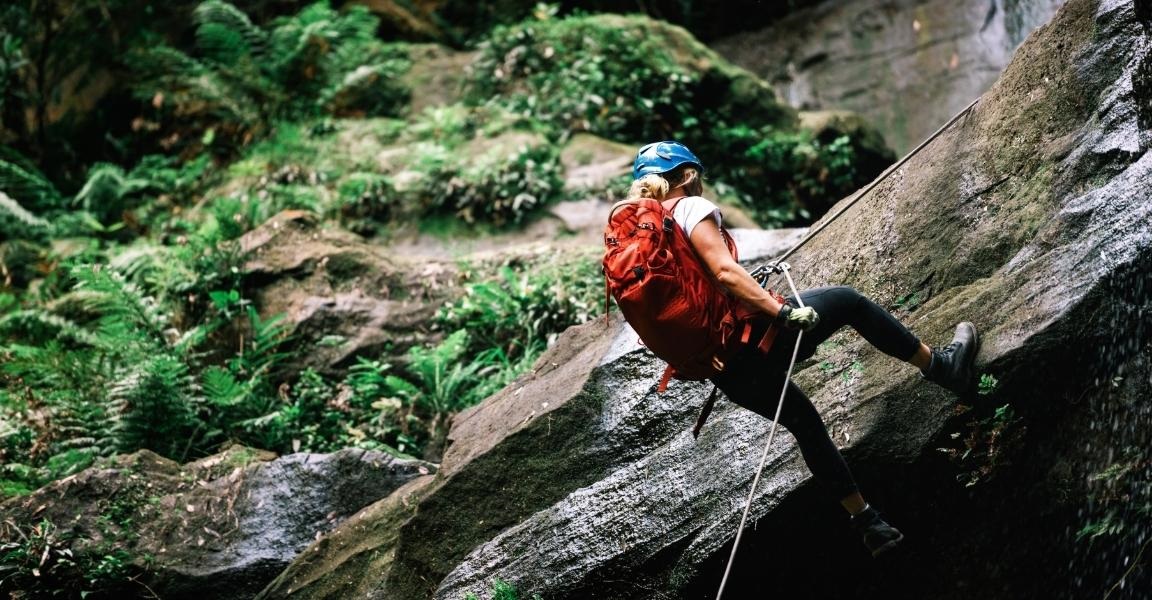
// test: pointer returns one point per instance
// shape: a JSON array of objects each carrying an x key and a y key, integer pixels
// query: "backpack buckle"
[{"x": 669, "y": 223}]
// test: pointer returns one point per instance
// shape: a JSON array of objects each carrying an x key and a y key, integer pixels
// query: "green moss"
[{"x": 627, "y": 77}]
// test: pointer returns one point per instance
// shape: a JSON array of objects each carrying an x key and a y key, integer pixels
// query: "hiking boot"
[
  {"x": 951, "y": 366},
  {"x": 879, "y": 537}
]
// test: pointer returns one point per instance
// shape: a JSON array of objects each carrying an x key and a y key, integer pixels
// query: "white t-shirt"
[{"x": 690, "y": 210}]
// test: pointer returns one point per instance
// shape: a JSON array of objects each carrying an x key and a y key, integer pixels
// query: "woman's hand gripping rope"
[{"x": 802, "y": 318}]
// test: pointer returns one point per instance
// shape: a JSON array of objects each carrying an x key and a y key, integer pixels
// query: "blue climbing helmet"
[{"x": 661, "y": 157}]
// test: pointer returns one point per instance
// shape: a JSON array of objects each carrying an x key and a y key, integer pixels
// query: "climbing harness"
[{"x": 762, "y": 274}]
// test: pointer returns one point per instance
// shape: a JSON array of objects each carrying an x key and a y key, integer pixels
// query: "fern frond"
[
  {"x": 260, "y": 357},
  {"x": 221, "y": 388},
  {"x": 106, "y": 187},
  {"x": 152, "y": 408},
  {"x": 357, "y": 23},
  {"x": 11, "y": 207},
  {"x": 31, "y": 187},
  {"x": 225, "y": 34},
  {"x": 130, "y": 318},
  {"x": 137, "y": 261},
  {"x": 33, "y": 321},
  {"x": 154, "y": 65}
]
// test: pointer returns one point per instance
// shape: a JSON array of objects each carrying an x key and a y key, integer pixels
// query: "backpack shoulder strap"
[{"x": 621, "y": 204}]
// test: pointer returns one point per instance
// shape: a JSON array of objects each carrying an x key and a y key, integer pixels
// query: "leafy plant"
[
  {"x": 985, "y": 444},
  {"x": 502, "y": 590},
  {"x": 782, "y": 177},
  {"x": 585, "y": 74},
  {"x": 498, "y": 189},
  {"x": 1121, "y": 497},
  {"x": 26, "y": 196},
  {"x": 910, "y": 301},
  {"x": 987, "y": 385},
  {"x": 152, "y": 407},
  {"x": 521, "y": 307},
  {"x": 243, "y": 77},
  {"x": 366, "y": 201},
  {"x": 240, "y": 399},
  {"x": 39, "y": 560}
]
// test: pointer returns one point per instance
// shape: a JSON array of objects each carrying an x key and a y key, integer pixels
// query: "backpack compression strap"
[{"x": 704, "y": 412}]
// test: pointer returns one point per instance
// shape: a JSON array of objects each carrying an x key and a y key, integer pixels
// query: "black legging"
[{"x": 753, "y": 380}]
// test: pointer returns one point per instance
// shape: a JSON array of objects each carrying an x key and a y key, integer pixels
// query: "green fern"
[
  {"x": 41, "y": 324},
  {"x": 441, "y": 380},
  {"x": 29, "y": 187},
  {"x": 159, "y": 63},
  {"x": 152, "y": 408},
  {"x": 195, "y": 93},
  {"x": 129, "y": 319},
  {"x": 225, "y": 35},
  {"x": 260, "y": 356},
  {"x": 221, "y": 388},
  {"x": 106, "y": 190},
  {"x": 10, "y": 207}
]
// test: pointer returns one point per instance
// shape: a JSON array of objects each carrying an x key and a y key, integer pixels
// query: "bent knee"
[{"x": 844, "y": 295}]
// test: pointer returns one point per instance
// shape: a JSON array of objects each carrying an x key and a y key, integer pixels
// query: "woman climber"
[{"x": 670, "y": 173}]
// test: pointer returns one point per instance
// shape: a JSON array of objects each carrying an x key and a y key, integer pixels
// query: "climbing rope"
[
  {"x": 762, "y": 273},
  {"x": 781, "y": 267},
  {"x": 875, "y": 182}
]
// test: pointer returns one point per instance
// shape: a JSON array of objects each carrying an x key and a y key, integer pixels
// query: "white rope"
[{"x": 783, "y": 267}]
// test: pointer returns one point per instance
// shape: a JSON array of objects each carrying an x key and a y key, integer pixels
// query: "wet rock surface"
[
  {"x": 1029, "y": 217},
  {"x": 905, "y": 65},
  {"x": 223, "y": 526}
]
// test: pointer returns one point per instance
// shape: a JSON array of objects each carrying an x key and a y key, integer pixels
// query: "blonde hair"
[{"x": 657, "y": 186}]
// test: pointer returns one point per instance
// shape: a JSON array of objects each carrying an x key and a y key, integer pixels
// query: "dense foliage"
[
  {"x": 240, "y": 77},
  {"x": 625, "y": 78},
  {"x": 127, "y": 318}
]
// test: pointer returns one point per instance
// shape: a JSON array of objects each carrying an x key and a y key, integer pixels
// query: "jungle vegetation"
[{"x": 126, "y": 319}]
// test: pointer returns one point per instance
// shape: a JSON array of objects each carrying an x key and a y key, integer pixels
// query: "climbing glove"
[{"x": 804, "y": 319}]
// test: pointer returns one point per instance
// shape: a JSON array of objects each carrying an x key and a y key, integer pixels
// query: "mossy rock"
[{"x": 619, "y": 76}]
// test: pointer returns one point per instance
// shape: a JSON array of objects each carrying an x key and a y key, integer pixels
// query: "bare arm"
[{"x": 709, "y": 244}]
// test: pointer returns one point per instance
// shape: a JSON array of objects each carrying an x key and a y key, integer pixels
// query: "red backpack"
[{"x": 668, "y": 296}]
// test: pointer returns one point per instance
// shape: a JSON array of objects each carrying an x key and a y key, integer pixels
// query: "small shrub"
[
  {"x": 580, "y": 74},
  {"x": 520, "y": 308},
  {"x": 498, "y": 189},
  {"x": 502, "y": 590},
  {"x": 366, "y": 201},
  {"x": 242, "y": 77},
  {"x": 782, "y": 177},
  {"x": 987, "y": 385},
  {"x": 42, "y": 561}
]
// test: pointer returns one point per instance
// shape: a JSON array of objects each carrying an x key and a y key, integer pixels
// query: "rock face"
[
  {"x": 223, "y": 526},
  {"x": 340, "y": 295},
  {"x": 1028, "y": 217},
  {"x": 906, "y": 65}
]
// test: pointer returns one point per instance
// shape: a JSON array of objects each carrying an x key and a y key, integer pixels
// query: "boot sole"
[
  {"x": 970, "y": 363},
  {"x": 888, "y": 546}
]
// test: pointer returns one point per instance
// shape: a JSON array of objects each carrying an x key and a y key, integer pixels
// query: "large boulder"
[
  {"x": 220, "y": 527},
  {"x": 906, "y": 65},
  {"x": 1028, "y": 217},
  {"x": 341, "y": 296}
]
